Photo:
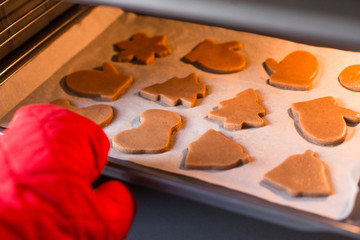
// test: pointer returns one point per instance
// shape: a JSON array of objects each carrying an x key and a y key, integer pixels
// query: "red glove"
[{"x": 49, "y": 157}]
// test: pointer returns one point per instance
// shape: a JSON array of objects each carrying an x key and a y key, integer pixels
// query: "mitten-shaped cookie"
[
  {"x": 152, "y": 136},
  {"x": 242, "y": 110},
  {"x": 215, "y": 151},
  {"x": 296, "y": 71},
  {"x": 301, "y": 175},
  {"x": 176, "y": 90},
  {"x": 218, "y": 57},
  {"x": 108, "y": 84},
  {"x": 101, "y": 114},
  {"x": 143, "y": 48},
  {"x": 322, "y": 121}
]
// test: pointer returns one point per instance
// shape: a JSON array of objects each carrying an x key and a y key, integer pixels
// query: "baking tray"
[{"x": 231, "y": 200}]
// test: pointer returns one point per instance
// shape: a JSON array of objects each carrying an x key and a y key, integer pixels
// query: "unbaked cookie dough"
[
  {"x": 217, "y": 57},
  {"x": 107, "y": 84},
  {"x": 215, "y": 151},
  {"x": 101, "y": 114},
  {"x": 152, "y": 136},
  {"x": 301, "y": 175},
  {"x": 350, "y": 77},
  {"x": 243, "y": 110},
  {"x": 296, "y": 71},
  {"x": 176, "y": 91},
  {"x": 142, "y": 48},
  {"x": 322, "y": 121}
]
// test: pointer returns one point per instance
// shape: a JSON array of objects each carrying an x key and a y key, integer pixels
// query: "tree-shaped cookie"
[
  {"x": 215, "y": 151},
  {"x": 350, "y": 77},
  {"x": 242, "y": 110},
  {"x": 296, "y": 71},
  {"x": 322, "y": 121},
  {"x": 107, "y": 84},
  {"x": 101, "y": 114},
  {"x": 142, "y": 48},
  {"x": 176, "y": 90},
  {"x": 217, "y": 57},
  {"x": 153, "y": 134},
  {"x": 301, "y": 175}
]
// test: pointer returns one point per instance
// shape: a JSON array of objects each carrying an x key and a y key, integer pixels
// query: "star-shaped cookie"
[{"x": 142, "y": 48}]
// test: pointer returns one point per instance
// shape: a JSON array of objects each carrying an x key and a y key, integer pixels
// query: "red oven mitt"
[{"x": 49, "y": 157}]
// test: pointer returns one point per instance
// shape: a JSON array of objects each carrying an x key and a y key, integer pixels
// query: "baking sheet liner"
[{"x": 268, "y": 146}]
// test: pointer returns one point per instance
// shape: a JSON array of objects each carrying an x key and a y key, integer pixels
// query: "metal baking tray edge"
[{"x": 227, "y": 199}]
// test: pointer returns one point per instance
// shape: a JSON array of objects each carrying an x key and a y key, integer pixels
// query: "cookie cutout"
[
  {"x": 101, "y": 114},
  {"x": 301, "y": 175},
  {"x": 107, "y": 84},
  {"x": 322, "y": 121},
  {"x": 176, "y": 91},
  {"x": 215, "y": 151},
  {"x": 296, "y": 71},
  {"x": 143, "y": 48},
  {"x": 350, "y": 77},
  {"x": 243, "y": 110},
  {"x": 218, "y": 57},
  {"x": 153, "y": 134}
]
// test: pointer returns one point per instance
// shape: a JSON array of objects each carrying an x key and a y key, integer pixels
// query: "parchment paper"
[{"x": 268, "y": 146}]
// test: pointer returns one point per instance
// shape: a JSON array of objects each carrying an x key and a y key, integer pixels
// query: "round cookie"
[{"x": 350, "y": 77}]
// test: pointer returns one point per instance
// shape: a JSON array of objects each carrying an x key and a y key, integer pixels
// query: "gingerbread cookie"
[
  {"x": 175, "y": 91},
  {"x": 242, "y": 110},
  {"x": 350, "y": 77},
  {"x": 107, "y": 84},
  {"x": 217, "y": 57},
  {"x": 215, "y": 151},
  {"x": 143, "y": 48},
  {"x": 296, "y": 71},
  {"x": 101, "y": 114},
  {"x": 322, "y": 121},
  {"x": 301, "y": 175},
  {"x": 153, "y": 134}
]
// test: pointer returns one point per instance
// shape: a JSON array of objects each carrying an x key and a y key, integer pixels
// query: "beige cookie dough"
[
  {"x": 101, "y": 114},
  {"x": 176, "y": 91},
  {"x": 296, "y": 71},
  {"x": 152, "y": 136},
  {"x": 218, "y": 57},
  {"x": 322, "y": 121},
  {"x": 350, "y": 77},
  {"x": 107, "y": 84},
  {"x": 215, "y": 151},
  {"x": 243, "y": 110},
  {"x": 301, "y": 175},
  {"x": 142, "y": 48}
]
